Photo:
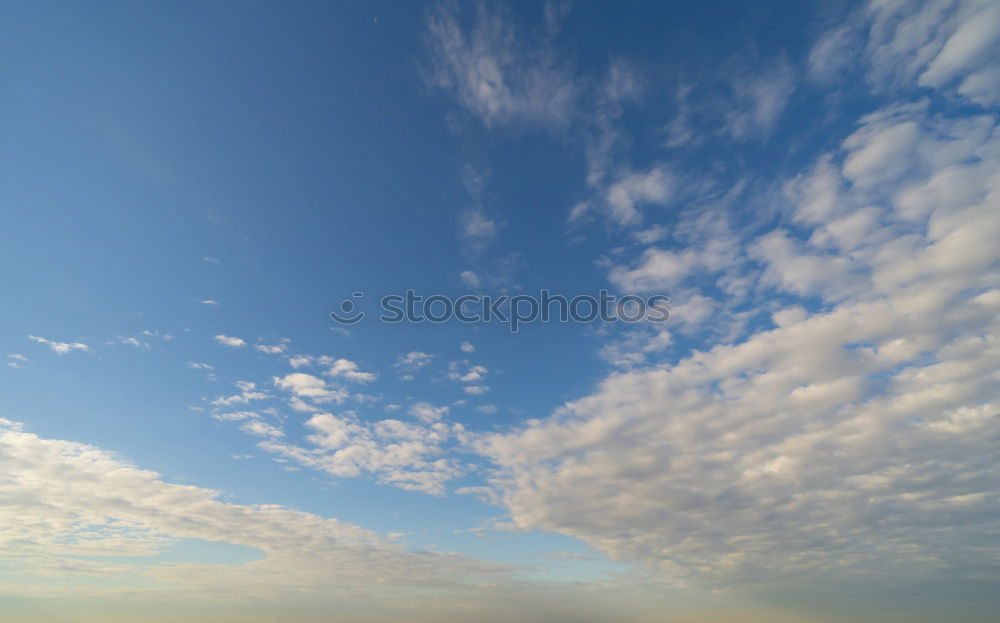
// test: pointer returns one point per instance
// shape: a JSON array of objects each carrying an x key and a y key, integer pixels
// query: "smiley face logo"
[{"x": 347, "y": 314}]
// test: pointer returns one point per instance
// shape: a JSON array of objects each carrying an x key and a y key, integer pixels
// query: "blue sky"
[{"x": 189, "y": 189}]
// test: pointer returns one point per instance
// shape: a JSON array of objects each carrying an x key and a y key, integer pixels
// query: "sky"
[{"x": 189, "y": 189}]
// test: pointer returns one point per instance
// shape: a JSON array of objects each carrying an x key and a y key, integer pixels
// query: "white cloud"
[
  {"x": 965, "y": 48},
  {"x": 475, "y": 224},
  {"x": 475, "y": 390},
  {"x": 233, "y": 342},
  {"x": 636, "y": 345},
  {"x": 833, "y": 53},
  {"x": 208, "y": 302},
  {"x": 260, "y": 428},
  {"x": 760, "y": 98},
  {"x": 276, "y": 349},
  {"x": 464, "y": 372},
  {"x": 199, "y": 366},
  {"x": 162, "y": 336},
  {"x": 679, "y": 132},
  {"x": 248, "y": 392},
  {"x": 794, "y": 268},
  {"x": 843, "y": 443},
  {"x": 60, "y": 348},
  {"x": 348, "y": 369},
  {"x": 467, "y": 347},
  {"x": 312, "y": 387},
  {"x": 662, "y": 271},
  {"x": 650, "y": 234},
  {"x": 470, "y": 279},
  {"x": 133, "y": 341},
  {"x": 496, "y": 74},
  {"x": 75, "y": 511},
  {"x": 658, "y": 269},
  {"x": 579, "y": 213},
  {"x": 412, "y": 361},
  {"x": 235, "y": 416},
  {"x": 622, "y": 198},
  {"x": 882, "y": 150},
  {"x": 400, "y": 454},
  {"x": 428, "y": 413},
  {"x": 941, "y": 45}
]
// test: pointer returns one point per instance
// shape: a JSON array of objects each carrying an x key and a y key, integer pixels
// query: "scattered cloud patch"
[
  {"x": 345, "y": 368},
  {"x": 232, "y": 342},
  {"x": 412, "y": 361},
  {"x": 307, "y": 386},
  {"x": 60, "y": 348}
]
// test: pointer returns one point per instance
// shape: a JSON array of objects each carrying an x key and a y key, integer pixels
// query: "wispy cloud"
[
  {"x": 60, "y": 348},
  {"x": 412, "y": 361},
  {"x": 499, "y": 75},
  {"x": 133, "y": 341}
]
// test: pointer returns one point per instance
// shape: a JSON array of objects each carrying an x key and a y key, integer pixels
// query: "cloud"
[
  {"x": 475, "y": 390},
  {"x": 470, "y": 279},
  {"x": 662, "y": 270},
  {"x": 259, "y": 428},
  {"x": 427, "y": 413},
  {"x": 499, "y": 76},
  {"x": 475, "y": 224},
  {"x": 622, "y": 198},
  {"x": 464, "y": 372},
  {"x": 277, "y": 349},
  {"x": 467, "y": 347},
  {"x": 940, "y": 45},
  {"x": 299, "y": 361},
  {"x": 199, "y": 366},
  {"x": 133, "y": 341},
  {"x": 833, "y": 53},
  {"x": 348, "y": 369},
  {"x": 312, "y": 387},
  {"x": 759, "y": 100},
  {"x": 412, "y": 361},
  {"x": 248, "y": 392},
  {"x": 405, "y": 455},
  {"x": 840, "y": 441},
  {"x": 208, "y": 302},
  {"x": 60, "y": 348},
  {"x": 78, "y": 512},
  {"x": 399, "y": 454},
  {"x": 235, "y": 416},
  {"x": 232, "y": 342}
]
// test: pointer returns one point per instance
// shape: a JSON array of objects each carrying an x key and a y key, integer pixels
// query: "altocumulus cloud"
[{"x": 851, "y": 437}]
